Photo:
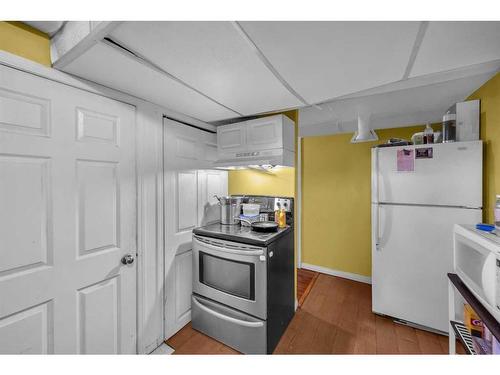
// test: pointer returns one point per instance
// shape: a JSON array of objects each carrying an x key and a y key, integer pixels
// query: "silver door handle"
[
  {"x": 223, "y": 249},
  {"x": 128, "y": 259},
  {"x": 225, "y": 317}
]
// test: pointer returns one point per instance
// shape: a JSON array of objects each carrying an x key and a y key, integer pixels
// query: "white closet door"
[
  {"x": 181, "y": 216},
  {"x": 67, "y": 217}
]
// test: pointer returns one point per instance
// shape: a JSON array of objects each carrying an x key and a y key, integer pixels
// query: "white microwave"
[{"x": 477, "y": 263}]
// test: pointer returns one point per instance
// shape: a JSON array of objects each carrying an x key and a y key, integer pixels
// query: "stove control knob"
[
  {"x": 271, "y": 254},
  {"x": 262, "y": 258}
]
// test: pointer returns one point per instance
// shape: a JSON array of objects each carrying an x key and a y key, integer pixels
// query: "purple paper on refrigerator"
[{"x": 406, "y": 160}]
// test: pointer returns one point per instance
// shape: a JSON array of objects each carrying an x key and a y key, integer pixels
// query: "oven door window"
[{"x": 229, "y": 276}]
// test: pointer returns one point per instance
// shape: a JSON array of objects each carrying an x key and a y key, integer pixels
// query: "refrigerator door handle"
[{"x": 377, "y": 229}]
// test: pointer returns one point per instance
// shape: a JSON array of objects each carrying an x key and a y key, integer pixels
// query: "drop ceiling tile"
[
  {"x": 106, "y": 65},
  {"x": 212, "y": 57},
  {"x": 324, "y": 60},
  {"x": 451, "y": 45},
  {"x": 416, "y": 105}
]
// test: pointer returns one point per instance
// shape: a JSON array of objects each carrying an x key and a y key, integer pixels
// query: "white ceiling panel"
[
  {"x": 212, "y": 57},
  {"x": 451, "y": 45},
  {"x": 412, "y": 106},
  {"x": 109, "y": 67},
  {"x": 324, "y": 60}
]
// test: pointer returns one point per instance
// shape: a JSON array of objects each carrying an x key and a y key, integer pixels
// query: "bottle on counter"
[
  {"x": 282, "y": 218},
  {"x": 277, "y": 214}
]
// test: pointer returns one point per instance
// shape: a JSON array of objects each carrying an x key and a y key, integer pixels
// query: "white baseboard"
[{"x": 345, "y": 275}]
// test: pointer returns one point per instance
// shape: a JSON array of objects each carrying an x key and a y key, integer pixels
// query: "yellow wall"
[
  {"x": 336, "y": 210},
  {"x": 279, "y": 181},
  {"x": 25, "y": 41},
  {"x": 489, "y": 94}
]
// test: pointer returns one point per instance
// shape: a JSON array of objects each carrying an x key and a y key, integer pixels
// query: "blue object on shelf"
[{"x": 485, "y": 227}]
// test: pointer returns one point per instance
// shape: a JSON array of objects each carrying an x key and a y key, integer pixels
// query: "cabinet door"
[
  {"x": 231, "y": 138},
  {"x": 265, "y": 133}
]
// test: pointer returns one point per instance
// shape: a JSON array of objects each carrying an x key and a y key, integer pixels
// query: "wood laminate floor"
[{"x": 336, "y": 318}]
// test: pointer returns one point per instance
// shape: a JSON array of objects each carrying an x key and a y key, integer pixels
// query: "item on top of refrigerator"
[
  {"x": 438, "y": 137},
  {"x": 485, "y": 227},
  {"x": 449, "y": 127},
  {"x": 468, "y": 119},
  {"x": 472, "y": 321},
  {"x": 497, "y": 212},
  {"x": 428, "y": 134},
  {"x": 418, "y": 138},
  {"x": 394, "y": 142}
]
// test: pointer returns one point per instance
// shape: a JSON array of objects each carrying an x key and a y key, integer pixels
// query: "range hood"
[
  {"x": 261, "y": 143},
  {"x": 364, "y": 132}
]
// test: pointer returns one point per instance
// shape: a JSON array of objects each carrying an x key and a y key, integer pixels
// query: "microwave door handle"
[
  {"x": 223, "y": 249},
  {"x": 225, "y": 317}
]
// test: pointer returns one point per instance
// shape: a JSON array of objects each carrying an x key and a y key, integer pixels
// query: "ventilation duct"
[{"x": 364, "y": 133}]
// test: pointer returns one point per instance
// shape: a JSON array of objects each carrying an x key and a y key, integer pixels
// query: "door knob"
[{"x": 128, "y": 259}]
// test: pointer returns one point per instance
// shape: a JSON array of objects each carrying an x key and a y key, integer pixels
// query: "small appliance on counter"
[{"x": 243, "y": 280}]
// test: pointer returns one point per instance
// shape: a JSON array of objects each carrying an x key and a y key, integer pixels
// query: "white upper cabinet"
[
  {"x": 187, "y": 147},
  {"x": 270, "y": 132},
  {"x": 253, "y": 139},
  {"x": 231, "y": 138}
]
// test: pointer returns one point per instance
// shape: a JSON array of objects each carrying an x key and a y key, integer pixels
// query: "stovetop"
[{"x": 238, "y": 233}]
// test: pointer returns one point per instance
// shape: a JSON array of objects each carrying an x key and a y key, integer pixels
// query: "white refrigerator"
[{"x": 418, "y": 193}]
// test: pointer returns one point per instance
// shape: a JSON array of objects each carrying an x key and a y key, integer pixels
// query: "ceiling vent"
[{"x": 364, "y": 133}]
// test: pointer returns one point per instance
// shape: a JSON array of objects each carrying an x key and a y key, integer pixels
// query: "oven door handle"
[
  {"x": 223, "y": 249},
  {"x": 225, "y": 317}
]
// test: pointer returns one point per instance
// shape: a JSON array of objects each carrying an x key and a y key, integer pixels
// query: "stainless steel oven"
[{"x": 231, "y": 273}]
